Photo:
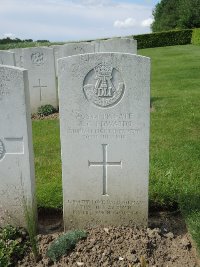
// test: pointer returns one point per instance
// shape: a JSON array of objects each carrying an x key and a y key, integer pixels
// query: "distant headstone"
[
  {"x": 42, "y": 78},
  {"x": 16, "y": 151},
  {"x": 71, "y": 49},
  {"x": 104, "y": 117},
  {"x": 7, "y": 58},
  {"x": 18, "y": 56},
  {"x": 122, "y": 45}
]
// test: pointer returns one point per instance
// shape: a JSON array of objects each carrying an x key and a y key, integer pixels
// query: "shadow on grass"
[
  {"x": 154, "y": 99},
  {"x": 50, "y": 220},
  {"x": 190, "y": 208}
]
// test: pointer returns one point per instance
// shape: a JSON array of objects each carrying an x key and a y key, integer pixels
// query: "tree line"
[
  {"x": 176, "y": 14},
  {"x": 8, "y": 40}
]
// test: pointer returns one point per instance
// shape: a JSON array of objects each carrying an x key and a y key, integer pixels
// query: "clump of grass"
[
  {"x": 31, "y": 228},
  {"x": 64, "y": 243},
  {"x": 14, "y": 243},
  {"x": 46, "y": 110}
]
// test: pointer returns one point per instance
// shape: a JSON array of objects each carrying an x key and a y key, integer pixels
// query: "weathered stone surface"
[
  {"x": 104, "y": 116},
  {"x": 18, "y": 56},
  {"x": 71, "y": 49},
  {"x": 7, "y": 58},
  {"x": 16, "y": 151},
  {"x": 122, "y": 45},
  {"x": 42, "y": 78},
  {"x": 57, "y": 51}
]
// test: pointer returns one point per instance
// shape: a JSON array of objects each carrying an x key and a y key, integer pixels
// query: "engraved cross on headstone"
[
  {"x": 105, "y": 164},
  {"x": 39, "y": 86},
  {"x": 11, "y": 145}
]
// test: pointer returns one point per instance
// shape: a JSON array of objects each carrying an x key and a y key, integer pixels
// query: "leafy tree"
[
  {"x": 189, "y": 14},
  {"x": 176, "y": 14}
]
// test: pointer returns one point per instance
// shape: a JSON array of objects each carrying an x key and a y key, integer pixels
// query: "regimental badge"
[
  {"x": 37, "y": 58},
  {"x": 104, "y": 86},
  {"x": 2, "y": 150}
]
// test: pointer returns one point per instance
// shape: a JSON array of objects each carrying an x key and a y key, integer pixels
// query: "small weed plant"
[
  {"x": 46, "y": 110},
  {"x": 31, "y": 229},
  {"x": 64, "y": 244},
  {"x": 14, "y": 242}
]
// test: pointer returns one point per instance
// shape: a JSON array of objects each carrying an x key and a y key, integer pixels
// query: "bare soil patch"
[
  {"x": 165, "y": 243},
  {"x": 49, "y": 117}
]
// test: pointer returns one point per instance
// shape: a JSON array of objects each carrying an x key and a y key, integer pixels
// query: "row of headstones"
[
  {"x": 104, "y": 119},
  {"x": 41, "y": 63}
]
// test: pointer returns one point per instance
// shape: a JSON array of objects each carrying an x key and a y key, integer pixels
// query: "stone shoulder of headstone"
[
  {"x": 39, "y": 58},
  {"x": 122, "y": 45},
  {"x": 17, "y": 186},
  {"x": 57, "y": 51},
  {"x": 18, "y": 56},
  {"x": 77, "y": 48},
  {"x": 104, "y": 119},
  {"x": 7, "y": 58}
]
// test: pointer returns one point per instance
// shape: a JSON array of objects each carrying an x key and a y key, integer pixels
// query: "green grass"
[
  {"x": 175, "y": 131},
  {"x": 175, "y": 138},
  {"x": 46, "y": 138}
]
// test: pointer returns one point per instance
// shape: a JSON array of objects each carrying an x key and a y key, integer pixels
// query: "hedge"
[
  {"x": 168, "y": 38},
  {"x": 196, "y": 37}
]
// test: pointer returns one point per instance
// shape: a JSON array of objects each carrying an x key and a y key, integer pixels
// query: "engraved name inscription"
[{"x": 104, "y": 125}]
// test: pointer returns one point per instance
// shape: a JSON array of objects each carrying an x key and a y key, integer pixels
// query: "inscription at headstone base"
[
  {"x": 42, "y": 78},
  {"x": 104, "y": 118},
  {"x": 16, "y": 151}
]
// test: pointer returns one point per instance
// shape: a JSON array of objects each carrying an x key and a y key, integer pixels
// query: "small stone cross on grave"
[
  {"x": 105, "y": 163},
  {"x": 40, "y": 87}
]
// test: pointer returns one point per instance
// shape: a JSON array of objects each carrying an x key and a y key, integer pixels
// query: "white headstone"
[
  {"x": 77, "y": 48},
  {"x": 57, "y": 51},
  {"x": 7, "y": 58},
  {"x": 42, "y": 78},
  {"x": 122, "y": 45},
  {"x": 16, "y": 151},
  {"x": 104, "y": 118},
  {"x": 18, "y": 56}
]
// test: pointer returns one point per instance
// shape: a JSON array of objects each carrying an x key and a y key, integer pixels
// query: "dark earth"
[{"x": 165, "y": 242}]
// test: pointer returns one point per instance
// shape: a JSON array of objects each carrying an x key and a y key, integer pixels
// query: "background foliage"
[
  {"x": 176, "y": 14},
  {"x": 159, "y": 39},
  {"x": 196, "y": 37}
]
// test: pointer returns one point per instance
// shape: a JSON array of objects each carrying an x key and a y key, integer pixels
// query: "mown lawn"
[{"x": 175, "y": 138}]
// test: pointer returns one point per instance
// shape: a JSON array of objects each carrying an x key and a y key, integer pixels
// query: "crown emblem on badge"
[
  {"x": 104, "y": 86},
  {"x": 103, "y": 69}
]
